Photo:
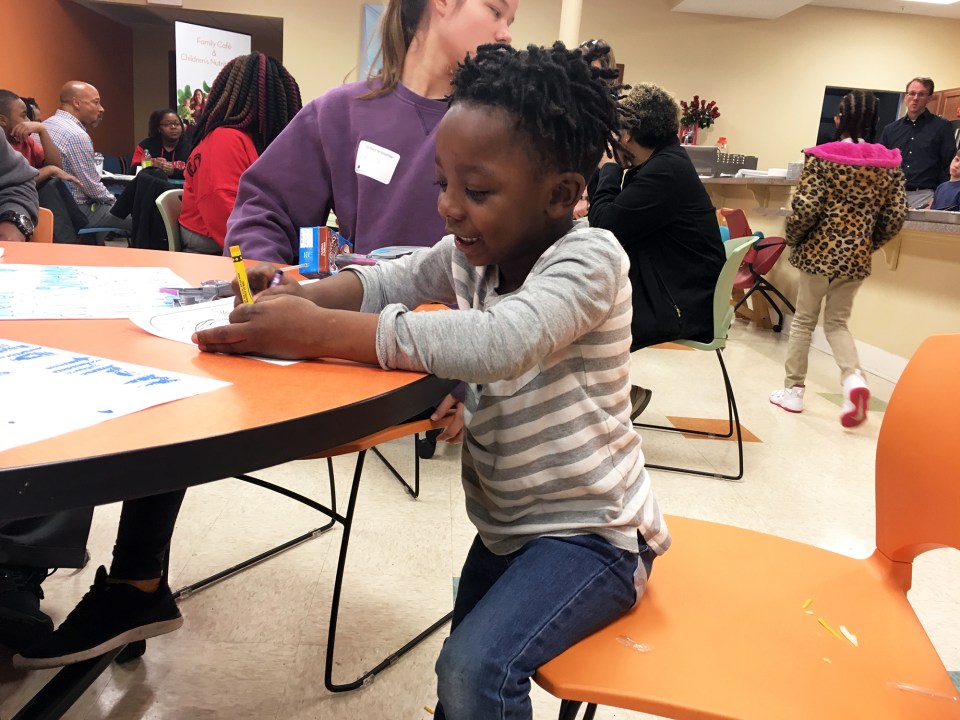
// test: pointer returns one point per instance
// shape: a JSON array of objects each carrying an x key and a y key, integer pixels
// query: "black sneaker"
[
  {"x": 22, "y": 623},
  {"x": 639, "y": 399},
  {"x": 108, "y": 616}
]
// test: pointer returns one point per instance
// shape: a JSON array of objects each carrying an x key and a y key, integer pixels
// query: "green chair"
[
  {"x": 169, "y": 204},
  {"x": 723, "y": 314}
]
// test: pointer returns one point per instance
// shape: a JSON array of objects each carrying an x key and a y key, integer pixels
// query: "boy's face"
[
  {"x": 955, "y": 168},
  {"x": 11, "y": 116},
  {"x": 501, "y": 207}
]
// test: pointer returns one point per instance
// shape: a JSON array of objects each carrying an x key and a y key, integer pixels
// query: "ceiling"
[
  {"x": 768, "y": 9},
  {"x": 158, "y": 15}
]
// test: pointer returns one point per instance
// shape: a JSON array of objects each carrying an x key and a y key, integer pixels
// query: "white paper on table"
[
  {"x": 48, "y": 392},
  {"x": 67, "y": 292},
  {"x": 179, "y": 324}
]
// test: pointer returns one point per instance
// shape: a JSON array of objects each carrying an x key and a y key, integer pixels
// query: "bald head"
[{"x": 82, "y": 100}]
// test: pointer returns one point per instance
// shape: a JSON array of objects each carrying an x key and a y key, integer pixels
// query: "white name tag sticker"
[{"x": 376, "y": 162}]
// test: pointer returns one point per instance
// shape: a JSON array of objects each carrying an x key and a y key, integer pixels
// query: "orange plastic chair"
[
  {"x": 43, "y": 232},
  {"x": 740, "y": 624}
]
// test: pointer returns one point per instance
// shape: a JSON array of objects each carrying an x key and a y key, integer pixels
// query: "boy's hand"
[
  {"x": 277, "y": 326},
  {"x": 25, "y": 129},
  {"x": 260, "y": 277},
  {"x": 453, "y": 433}
]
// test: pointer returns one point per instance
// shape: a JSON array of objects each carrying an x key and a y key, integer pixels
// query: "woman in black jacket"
[{"x": 663, "y": 217}]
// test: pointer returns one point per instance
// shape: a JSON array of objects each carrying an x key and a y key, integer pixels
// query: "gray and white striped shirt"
[{"x": 548, "y": 445}]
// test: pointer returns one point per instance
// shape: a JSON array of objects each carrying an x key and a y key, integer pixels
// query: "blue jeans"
[{"x": 515, "y": 612}]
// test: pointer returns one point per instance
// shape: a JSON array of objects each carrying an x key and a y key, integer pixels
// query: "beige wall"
[{"x": 767, "y": 77}]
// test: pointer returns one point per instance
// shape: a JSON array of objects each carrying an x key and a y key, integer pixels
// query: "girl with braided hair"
[
  {"x": 252, "y": 100},
  {"x": 850, "y": 201},
  {"x": 552, "y": 470},
  {"x": 366, "y": 149}
]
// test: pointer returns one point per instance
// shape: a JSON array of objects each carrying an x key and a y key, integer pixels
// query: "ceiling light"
[{"x": 934, "y": 2}]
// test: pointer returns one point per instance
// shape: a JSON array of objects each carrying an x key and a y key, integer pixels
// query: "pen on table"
[
  {"x": 278, "y": 275},
  {"x": 241, "y": 272}
]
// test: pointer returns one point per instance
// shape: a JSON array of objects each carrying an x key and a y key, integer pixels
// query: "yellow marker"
[
  {"x": 833, "y": 632},
  {"x": 241, "y": 271},
  {"x": 806, "y": 604}
]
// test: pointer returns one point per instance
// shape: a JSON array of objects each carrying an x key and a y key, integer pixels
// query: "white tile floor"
[{"x": 253, "y": 646}]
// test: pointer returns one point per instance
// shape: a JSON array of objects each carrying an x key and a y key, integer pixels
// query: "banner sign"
[{"x": 201, "y": 54}]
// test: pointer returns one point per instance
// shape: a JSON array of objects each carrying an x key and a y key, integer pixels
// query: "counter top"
[{"x": 754, "y": 180}]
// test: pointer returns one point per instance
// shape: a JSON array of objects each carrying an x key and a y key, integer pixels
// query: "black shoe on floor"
[
  {"x": 22, "y": 623},
  {"x": 108, "y": 616},
  {"x": 639, "y": 399},
  {"x": 427, "y": 445}
]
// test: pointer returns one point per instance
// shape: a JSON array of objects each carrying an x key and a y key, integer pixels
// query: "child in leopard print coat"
[{"x": 850, "y": 201}]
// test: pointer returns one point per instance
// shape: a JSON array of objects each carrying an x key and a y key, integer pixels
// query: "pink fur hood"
[{"x": 848, "y": 153}]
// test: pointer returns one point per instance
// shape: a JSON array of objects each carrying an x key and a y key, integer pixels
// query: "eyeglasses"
[
  {"x": 170, "y": 124},
  {"x": 918, "y": 94}
]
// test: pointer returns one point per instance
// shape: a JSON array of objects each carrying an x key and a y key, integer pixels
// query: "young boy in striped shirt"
[{"x": 567, "y": 523}]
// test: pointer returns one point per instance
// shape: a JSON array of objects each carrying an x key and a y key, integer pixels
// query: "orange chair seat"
[
  {"x": 729, "y": 638},
  {"x": 391, "y": 433}
]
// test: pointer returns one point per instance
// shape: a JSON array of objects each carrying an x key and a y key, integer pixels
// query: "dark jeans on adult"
[
  {"x": 55, "y": 540},
  {"x": 59, "y": 539},
  {"x": 68, "y": 218},
  {"x": 515, "y": 612}
]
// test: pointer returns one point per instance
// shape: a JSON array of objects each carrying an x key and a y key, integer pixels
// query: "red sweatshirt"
[{"x": 211, "y": 180}]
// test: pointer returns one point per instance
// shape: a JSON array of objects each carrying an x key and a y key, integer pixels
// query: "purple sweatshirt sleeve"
[
  {"x": 312, "y": 167},
  {"x": 288, "y": 187}
]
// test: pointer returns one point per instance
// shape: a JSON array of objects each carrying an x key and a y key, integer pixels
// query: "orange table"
[{"x": 269, "y": 415}]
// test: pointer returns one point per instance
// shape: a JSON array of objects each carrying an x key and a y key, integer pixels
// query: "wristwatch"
[{"x": 23, "y": 223}]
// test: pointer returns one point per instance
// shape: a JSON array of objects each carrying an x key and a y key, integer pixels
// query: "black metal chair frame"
[
  {"x": 733, "y": 417},
  {"x": 56, "y": 697},
  {"x": 764, "y": 286}
]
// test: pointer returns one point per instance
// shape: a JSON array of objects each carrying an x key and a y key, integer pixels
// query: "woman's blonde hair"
[{"x": 399, "y": 24}]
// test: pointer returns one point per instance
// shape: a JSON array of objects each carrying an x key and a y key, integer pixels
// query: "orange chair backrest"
[
  {"x": 918, "y": 460},
  {"x": 43, "y": 232}
]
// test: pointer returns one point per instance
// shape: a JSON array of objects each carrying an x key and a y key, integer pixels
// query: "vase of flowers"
[{"x": 695, "y": 115}]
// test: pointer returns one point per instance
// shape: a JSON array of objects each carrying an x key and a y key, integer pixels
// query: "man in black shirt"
[{"x": 926, "y": 142}]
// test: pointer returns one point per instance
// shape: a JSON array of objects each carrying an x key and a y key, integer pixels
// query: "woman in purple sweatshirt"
[{"x": 366, "y": 150}]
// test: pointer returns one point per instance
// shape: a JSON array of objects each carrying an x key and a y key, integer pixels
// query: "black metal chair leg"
[
  {"x": 367, "y": 676},
  {"x": 733, "y": 416},
  {"x": 414, "y": 491},
  {"x": 330, "y": 512},
  {"x": 56, "y": 697},
  {"x": 570, "y": 708}
]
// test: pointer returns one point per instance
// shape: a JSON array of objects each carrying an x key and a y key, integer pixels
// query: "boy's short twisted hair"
[
  {"x": 564, "y": 106},
  {"x": 652, "y": 116}
]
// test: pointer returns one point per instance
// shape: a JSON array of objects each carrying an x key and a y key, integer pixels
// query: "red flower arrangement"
[{"x": 698, "y": 112}]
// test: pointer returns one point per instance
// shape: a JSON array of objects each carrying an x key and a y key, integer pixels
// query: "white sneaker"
[
  {"x": 790, "y": 399},
  {"x": 856, "y": 397}
]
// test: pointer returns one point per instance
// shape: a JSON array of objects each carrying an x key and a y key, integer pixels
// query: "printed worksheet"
[
  {"x": 179, "y": 324},
  {"x": 67, "y": 292},
  {"x": 48, "y": 392}
]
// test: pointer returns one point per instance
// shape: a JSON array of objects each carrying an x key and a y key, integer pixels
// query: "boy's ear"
[{"x": 565, "y": 194}]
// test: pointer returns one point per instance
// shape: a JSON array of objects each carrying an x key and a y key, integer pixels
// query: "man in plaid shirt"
[{"x": 81, "y": 111}]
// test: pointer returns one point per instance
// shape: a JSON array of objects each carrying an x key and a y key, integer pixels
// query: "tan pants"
[{"x": 839, "y": 294}]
